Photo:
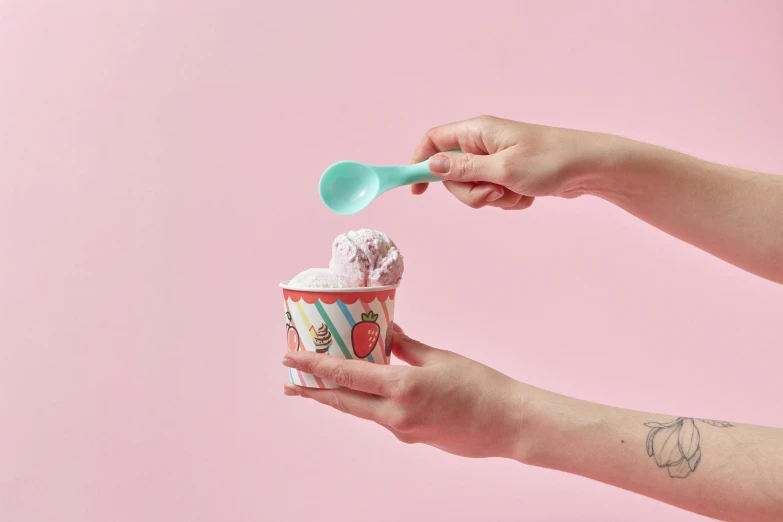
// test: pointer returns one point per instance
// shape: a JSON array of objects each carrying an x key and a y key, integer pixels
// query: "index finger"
[
  {"x": 357, "y": 375},
  {"x": 464, "y": 135}
]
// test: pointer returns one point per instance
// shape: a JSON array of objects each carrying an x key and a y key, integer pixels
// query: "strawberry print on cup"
[{"x": 364, "y": 335}]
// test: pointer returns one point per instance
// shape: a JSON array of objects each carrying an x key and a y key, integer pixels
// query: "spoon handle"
[
  {"x": 392, "y": 177},
  {"x": 398, "y": 176},
  {"x": 420, "y": 173},
  {"x": 417, "y": 173}
]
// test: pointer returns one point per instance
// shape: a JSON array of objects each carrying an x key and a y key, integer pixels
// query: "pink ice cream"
[
  {"x": 366, "y": 258},
  {"x": 360, "y": 258},
  {"x": 316, "y": 278}
]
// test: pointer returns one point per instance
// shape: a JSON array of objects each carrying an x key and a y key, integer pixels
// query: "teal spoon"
[{"x": 348, "y": 187}]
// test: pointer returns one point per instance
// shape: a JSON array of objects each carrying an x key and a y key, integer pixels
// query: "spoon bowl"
[{"x": 347, "y": 187}]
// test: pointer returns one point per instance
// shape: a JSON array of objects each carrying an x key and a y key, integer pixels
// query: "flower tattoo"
[{"x": 675, "y": 444}]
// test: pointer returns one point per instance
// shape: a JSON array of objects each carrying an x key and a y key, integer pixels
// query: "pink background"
[{"x": 158, "y": 172}]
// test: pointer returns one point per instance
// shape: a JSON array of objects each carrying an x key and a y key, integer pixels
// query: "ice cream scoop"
[
  {"x": 364, "y": 258},
  {"x": 348, "y": 187},
  {"x": 316, "y": 278}
]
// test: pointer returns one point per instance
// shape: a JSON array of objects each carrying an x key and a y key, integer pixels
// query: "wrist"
[
  {"x": 605, "y": 165},
  {"x": 532, "y": 425},
  {"x": 553, "y": 424}
]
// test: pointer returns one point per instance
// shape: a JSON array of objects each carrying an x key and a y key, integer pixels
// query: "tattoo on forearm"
[{"x": 675, "y": 444}]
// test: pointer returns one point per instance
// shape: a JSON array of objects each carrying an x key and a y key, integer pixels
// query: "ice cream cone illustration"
[{"x": 322, "y": 338}]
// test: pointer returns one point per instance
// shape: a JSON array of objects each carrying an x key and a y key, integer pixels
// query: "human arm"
[
  {"x": 465, "y": 408},
  {"x": 735, "y": 471},
  {"x": 734, "y": 214}
]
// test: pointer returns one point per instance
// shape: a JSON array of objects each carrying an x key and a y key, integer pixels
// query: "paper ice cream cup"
[{"x": 351, "y": 323}]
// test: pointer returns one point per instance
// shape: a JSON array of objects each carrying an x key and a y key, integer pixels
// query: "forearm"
[
  {"x": 731, "y": 213},
  {"x": 734, "y": 472}
]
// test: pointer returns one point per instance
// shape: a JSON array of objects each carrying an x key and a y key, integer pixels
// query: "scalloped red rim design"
[{"x": 333, "y": 297}]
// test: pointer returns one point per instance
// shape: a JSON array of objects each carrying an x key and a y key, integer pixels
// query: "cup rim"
[{"x": 285, "y": 286}]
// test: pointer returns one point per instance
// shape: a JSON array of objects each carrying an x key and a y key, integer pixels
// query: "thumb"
[
  {"x": 411, "y": 351},
  {"x": 467, "y": 167}
]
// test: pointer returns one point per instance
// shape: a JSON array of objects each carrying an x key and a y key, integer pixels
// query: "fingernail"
[
  {"x": 440, "y": 163},
  {"x": 290, "y": 390},
  {"x": 494, "y": 196},
  {"x": 289, "y": 362}
]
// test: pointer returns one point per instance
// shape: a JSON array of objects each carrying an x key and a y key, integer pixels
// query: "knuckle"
[
  {"x": 429, "y": 136},
  {"x": 478, "y": 199},
  {"x": 408, "y": 388},
  {"x": 509, "y": 200},
  {"x": 405, "y": 438},
  {"x": 463, "y": 165},
  {"x": 395, "y": 383},
  {"x": 475, "y": 202},
  {"x": 517, "y": 199},
  {"x": 311, "y": 366},
  {"x": 402, "y": 422},
  {"x": 340, "y": 375},
  {"x": 526, "y": 203},
  {"x": 505, "y": 171}
]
